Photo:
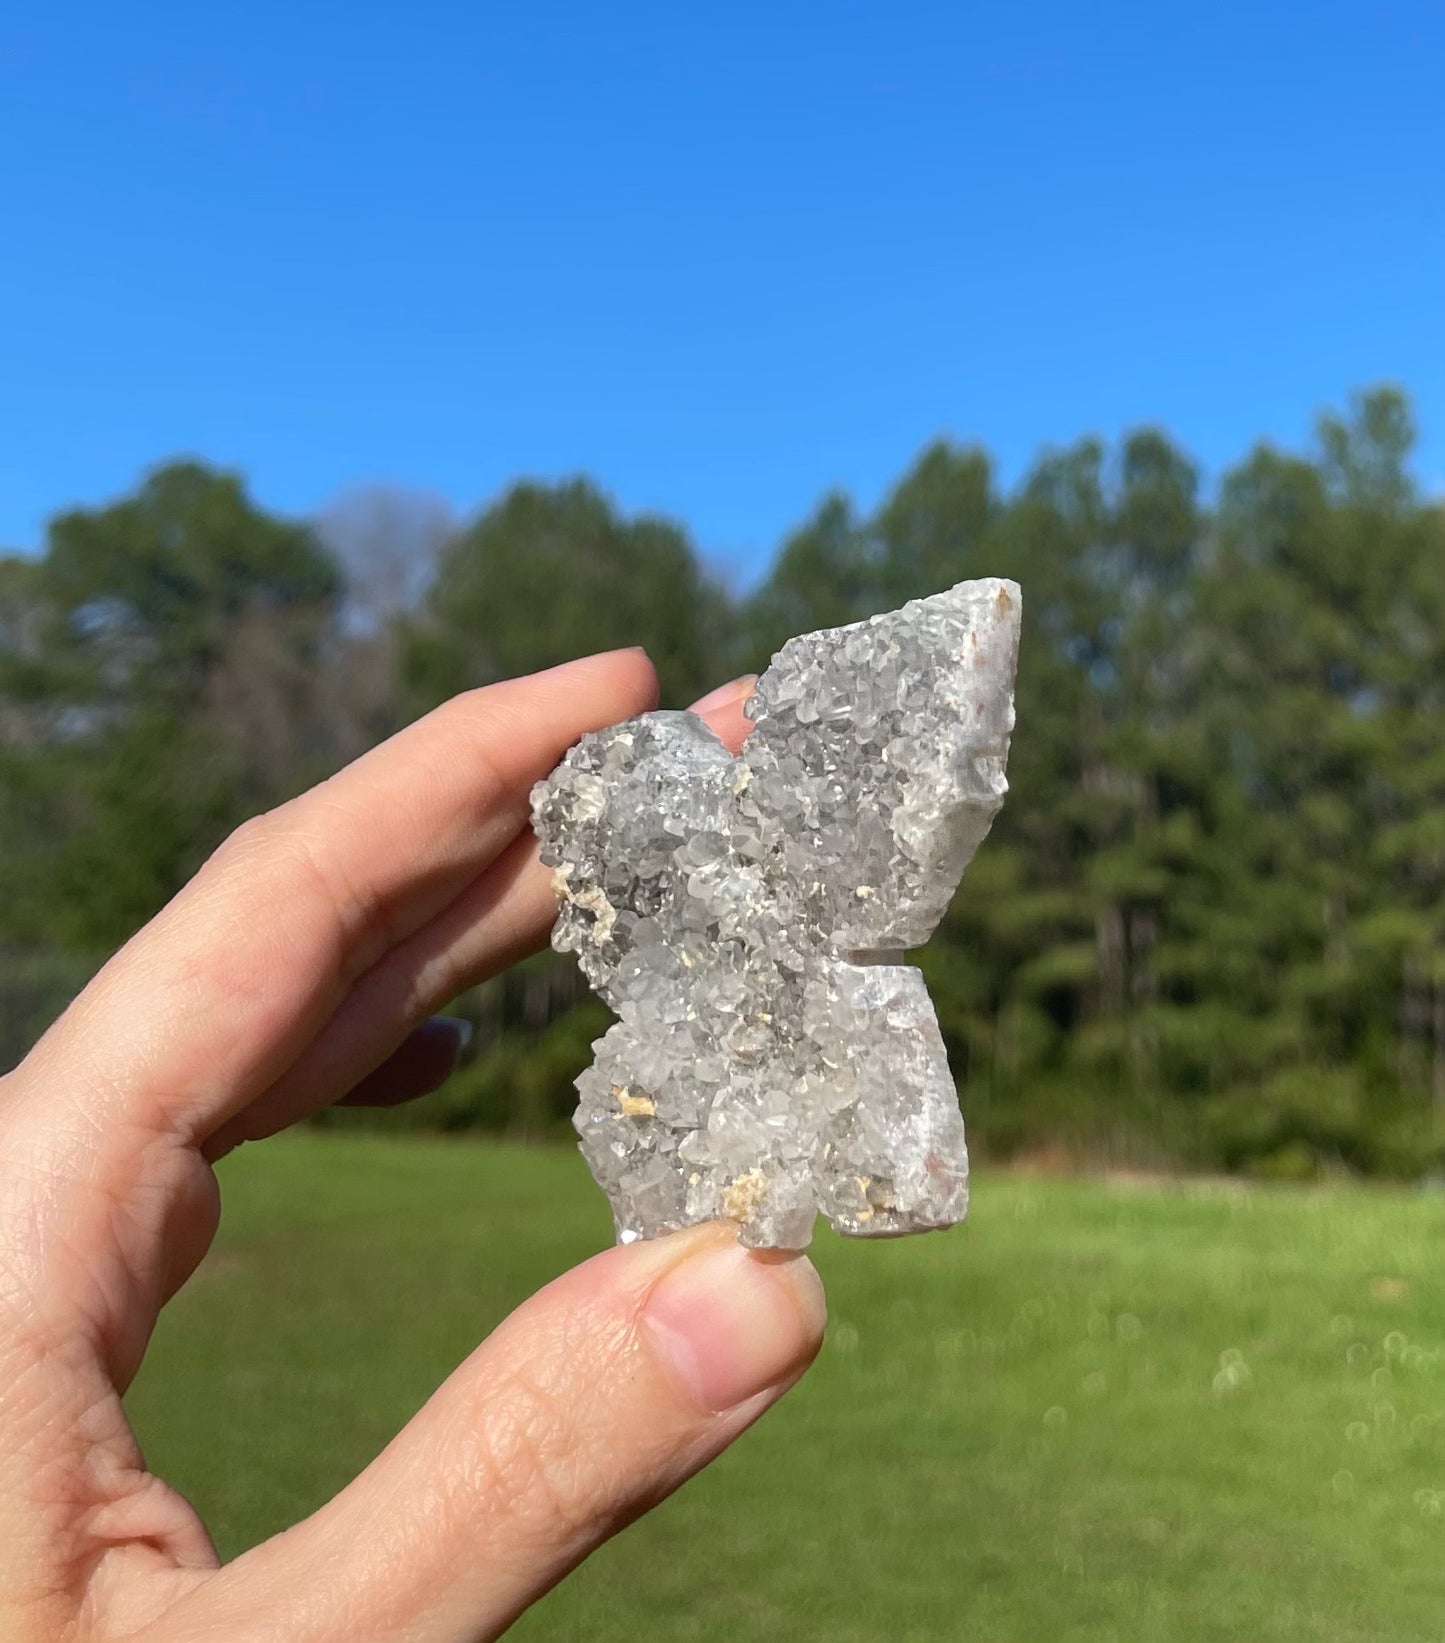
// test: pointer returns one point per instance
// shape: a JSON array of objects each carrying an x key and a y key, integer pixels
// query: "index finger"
[{"x": 219, "y": 994}]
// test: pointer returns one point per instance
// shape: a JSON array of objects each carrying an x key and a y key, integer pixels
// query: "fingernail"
[
  {"x": 460, "y": 1028},
  {"x": 738, "y": 690},
  {"x": 729, "y": 1324}
]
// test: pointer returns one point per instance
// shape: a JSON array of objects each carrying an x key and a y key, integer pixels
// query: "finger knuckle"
[
  {"x": 533, "y": 1463},
  {"x": 244, "y": 844},
  {"x": 539, "y": 1464},
  {"x": 288, "y": 849},
  {"x": 492, "y": 733}
]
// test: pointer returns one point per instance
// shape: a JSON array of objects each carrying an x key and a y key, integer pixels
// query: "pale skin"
[{"x": 299, "y": 968}]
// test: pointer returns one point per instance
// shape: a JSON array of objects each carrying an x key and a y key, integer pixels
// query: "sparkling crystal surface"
[{"x": 746, "y": 916}]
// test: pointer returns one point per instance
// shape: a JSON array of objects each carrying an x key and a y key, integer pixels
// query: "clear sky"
[{"x": 722, "y": 257}]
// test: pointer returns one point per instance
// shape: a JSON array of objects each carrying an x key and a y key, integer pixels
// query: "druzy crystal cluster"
[{"x": 746, "y": 917}]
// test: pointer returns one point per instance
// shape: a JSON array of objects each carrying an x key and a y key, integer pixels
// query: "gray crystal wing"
[
  {"x": 876, "y": 766},
  {"x": 624, "y": 821},
  {"x": 891, "y": 1155}
]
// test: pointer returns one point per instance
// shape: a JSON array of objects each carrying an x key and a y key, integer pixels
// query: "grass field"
[{"x": 1097, "y": 1412}]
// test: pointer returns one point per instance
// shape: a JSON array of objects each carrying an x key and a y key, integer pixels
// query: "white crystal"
[{"x": 746, "y": 918}]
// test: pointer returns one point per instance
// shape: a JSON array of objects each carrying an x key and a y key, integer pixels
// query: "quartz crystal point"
[{"x": 746, "y": 918}]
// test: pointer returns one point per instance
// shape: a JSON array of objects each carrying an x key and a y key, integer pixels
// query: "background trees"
[
  {"x": 1210, "y": 924},
  {"x": 552, "y": 572}
]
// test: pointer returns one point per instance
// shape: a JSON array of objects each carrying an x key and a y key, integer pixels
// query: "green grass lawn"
[{"x": 1098, "y": 1411}]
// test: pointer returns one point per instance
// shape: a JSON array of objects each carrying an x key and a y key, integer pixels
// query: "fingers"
[
  {"x": 723, "y": 710},
  {"x": 503, "y": 916},
  {"x": 217, "y": 997},
  {"x": 421, "y": 1063},
  {"x": 587, "y": 1406}
]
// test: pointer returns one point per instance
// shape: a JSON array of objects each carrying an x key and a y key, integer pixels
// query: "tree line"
[{"x": 1209, "y": 926}]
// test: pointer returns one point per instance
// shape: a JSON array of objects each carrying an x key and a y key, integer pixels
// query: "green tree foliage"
[
  {"x": 1209, "y": 925},
  {"x": 553, "y": 572},
  {"x": 126, "y": 632},
  {"x": 154, "y": 584}
]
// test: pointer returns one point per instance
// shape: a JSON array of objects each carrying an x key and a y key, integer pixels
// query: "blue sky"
[{"x": 720, "y": 257}]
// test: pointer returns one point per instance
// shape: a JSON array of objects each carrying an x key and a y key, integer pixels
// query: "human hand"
[{"x": 298, "y": 969}]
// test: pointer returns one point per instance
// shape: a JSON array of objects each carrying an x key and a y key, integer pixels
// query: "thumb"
[{"x": 588, "y": 1405}]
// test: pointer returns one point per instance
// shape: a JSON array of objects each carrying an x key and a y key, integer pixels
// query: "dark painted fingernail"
[{"x": 460, "y": 1028}]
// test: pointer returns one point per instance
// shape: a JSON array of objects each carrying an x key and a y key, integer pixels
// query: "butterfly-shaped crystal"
[{"x": 746, "y": 917}]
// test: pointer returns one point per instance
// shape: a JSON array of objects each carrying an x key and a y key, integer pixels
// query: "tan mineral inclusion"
[{"x": 746, "y": 917}]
